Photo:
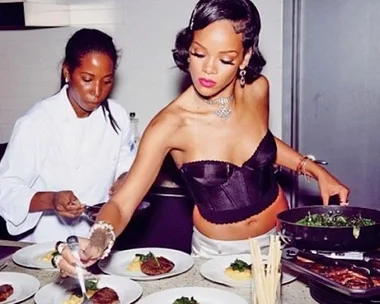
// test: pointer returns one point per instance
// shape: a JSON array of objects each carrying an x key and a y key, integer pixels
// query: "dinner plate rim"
[
  {"x": 138, "y": 295},
  {"x": 189, "y": 259},
  {"x": 32, "y": 280},
  {"x": 147, "y": 299},
  {"x": 16, "y": 256},
  {"x": 241, "y": 284}
]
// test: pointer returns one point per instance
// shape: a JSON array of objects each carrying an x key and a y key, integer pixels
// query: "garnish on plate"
[
  {"x": 150, "y": 264},
  {"x": 186, "y": 300},
  {"x": 239, "y": 270}
]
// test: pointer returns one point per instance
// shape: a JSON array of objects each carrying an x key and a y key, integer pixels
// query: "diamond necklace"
[{"x": 223, "y": 111}]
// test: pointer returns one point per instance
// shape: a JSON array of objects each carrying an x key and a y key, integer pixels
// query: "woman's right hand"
[
  {"x": 67, "y": 204},
  {"x": 89, "y": 254}
]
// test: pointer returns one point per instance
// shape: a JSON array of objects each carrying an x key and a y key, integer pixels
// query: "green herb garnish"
[
  {"x": 91, "y": 284},
  {"x": 146, "y": 257},
  {"x": 185, "y": 300},
  {"x": 240, "y": 265}
]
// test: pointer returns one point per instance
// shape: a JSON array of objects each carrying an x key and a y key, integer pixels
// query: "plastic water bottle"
[{"x": 135, "y": 134}]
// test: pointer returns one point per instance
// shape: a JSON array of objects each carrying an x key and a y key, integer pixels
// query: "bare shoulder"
[
  {"x": 259, "y": 88},
  {"x": 166, "y": 123}
]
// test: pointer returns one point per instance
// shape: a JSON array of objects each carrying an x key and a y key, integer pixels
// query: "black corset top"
[{"x": 227, "y": 193}]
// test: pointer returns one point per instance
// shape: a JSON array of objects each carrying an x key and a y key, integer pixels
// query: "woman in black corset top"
[{"x": 217, "y": 133}]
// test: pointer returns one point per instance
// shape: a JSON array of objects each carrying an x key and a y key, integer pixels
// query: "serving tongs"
[
  {"x": 368, "y": 256},
  {"x": 366, "y": 268}
]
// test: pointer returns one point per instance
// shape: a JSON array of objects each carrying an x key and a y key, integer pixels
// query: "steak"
[
  {"x": 105, "y": 295},
  {"x": 6, "y": 291},
  {"x": 157, "y": 266}
]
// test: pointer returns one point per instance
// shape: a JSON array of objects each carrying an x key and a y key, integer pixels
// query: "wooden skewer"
[{"x": 266, "y": 281}]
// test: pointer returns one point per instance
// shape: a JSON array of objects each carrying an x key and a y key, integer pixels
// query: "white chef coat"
[{"x": 51, "y": 149}]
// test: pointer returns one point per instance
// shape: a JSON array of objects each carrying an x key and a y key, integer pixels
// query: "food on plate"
[
  {"x": 6, "y": 291},
  {"x": 150, "y": 264},
  {"x": 239, "y": 270},
  {"x": 185, "y": 300},
  {"x": 48, "y": 256},
  {"x": 97, "y": 295},
  {"x": 105, "y": 295},
  {"x": 135, "y": 265}
]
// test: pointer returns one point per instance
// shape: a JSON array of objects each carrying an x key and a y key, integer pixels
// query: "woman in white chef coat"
[{"x": 68, "y": 149}]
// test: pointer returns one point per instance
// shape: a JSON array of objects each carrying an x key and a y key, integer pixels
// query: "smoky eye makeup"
[
  {"x": 197, "y": 54},
  {"x": 225, "y": 61}
]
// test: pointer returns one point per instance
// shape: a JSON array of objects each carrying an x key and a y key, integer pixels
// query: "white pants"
[{"x": 204, "y": 247}]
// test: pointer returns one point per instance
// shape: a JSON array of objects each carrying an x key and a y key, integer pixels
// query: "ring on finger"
[
  {"x": 59, "y": 246},
  {"x": 56, "y": 260}
]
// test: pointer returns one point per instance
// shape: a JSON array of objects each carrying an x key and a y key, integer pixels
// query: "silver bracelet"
[{"x": 108, "y": 228}]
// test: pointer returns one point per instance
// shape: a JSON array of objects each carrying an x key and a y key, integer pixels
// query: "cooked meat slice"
[
  {"x": 330, "y": 272},
  {"x": 155, "y": 267},
  {"x": 105, "y": 295},
  {"x": 6, "y": 291},
  {"x": 375, "y": 281},
  {"x": 341, "y": 275},
  {"x": 354, "y": 282}
]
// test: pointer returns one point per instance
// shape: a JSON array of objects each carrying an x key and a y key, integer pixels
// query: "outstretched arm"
[
  {"x": 155, "y": 143},
  {"x": 258, "y": 94}
]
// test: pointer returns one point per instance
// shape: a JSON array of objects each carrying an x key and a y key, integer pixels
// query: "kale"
[
  {"x": 240, "y": 265},
  {"x": 185, "y": 300},
  {"x": 334, "y": 220}
]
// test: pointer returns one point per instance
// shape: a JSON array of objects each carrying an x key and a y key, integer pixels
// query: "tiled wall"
[{"x": 30, "y": 60}]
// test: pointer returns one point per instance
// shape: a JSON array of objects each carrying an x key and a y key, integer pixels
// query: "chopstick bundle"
[{"x": 266, "y": 279}]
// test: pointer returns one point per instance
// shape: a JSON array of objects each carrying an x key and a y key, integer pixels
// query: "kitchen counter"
[{"x": 292, "y": 293}]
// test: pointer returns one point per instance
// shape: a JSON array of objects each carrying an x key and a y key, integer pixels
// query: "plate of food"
[
  {"x": 36, "y": 256},
  {"x": 235, "y": 271},
  {"x": 193, "y": 295},
  {"x": 104, "y": 289},
  {"x": 147, "y": 263},
  {"x": 16, "y": 287}
]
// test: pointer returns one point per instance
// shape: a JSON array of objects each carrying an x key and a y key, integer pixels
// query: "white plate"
[
  {"x": 118, "y": 262},
  {"x": 31, "y": 256},
  {"x": 201, "y": 294},
  {"x": 56, "y": 293},
  {"x": 24, "y": 285},
  {"x": 213, "y": 270}
]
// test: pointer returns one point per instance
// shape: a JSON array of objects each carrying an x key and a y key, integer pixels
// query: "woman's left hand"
[{"x": 329, "y": 186}]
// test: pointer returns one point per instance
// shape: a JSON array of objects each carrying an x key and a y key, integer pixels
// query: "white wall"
[{"x": 147, "y": 80}]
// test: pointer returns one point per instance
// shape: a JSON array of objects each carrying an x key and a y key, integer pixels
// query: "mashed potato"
[
  {"x": 75, "y": 299},
  {"x": 239, "y": 270},
  {"x": 48, "y": 256},
  {"x": 135, "y": 265}
]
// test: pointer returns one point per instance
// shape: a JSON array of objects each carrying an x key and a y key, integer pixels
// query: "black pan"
[{"x": 329, "y": 238}]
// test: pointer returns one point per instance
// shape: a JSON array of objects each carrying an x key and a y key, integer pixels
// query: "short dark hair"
[
  {"x": 246, "y": 20},
  {"x": 83, "y": 42}
]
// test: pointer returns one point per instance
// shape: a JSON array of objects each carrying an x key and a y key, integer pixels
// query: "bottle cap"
[{"x": 132, "y": 114}]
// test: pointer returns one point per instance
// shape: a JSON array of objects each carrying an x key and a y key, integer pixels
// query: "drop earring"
[{"x": 242, "y": 77}]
